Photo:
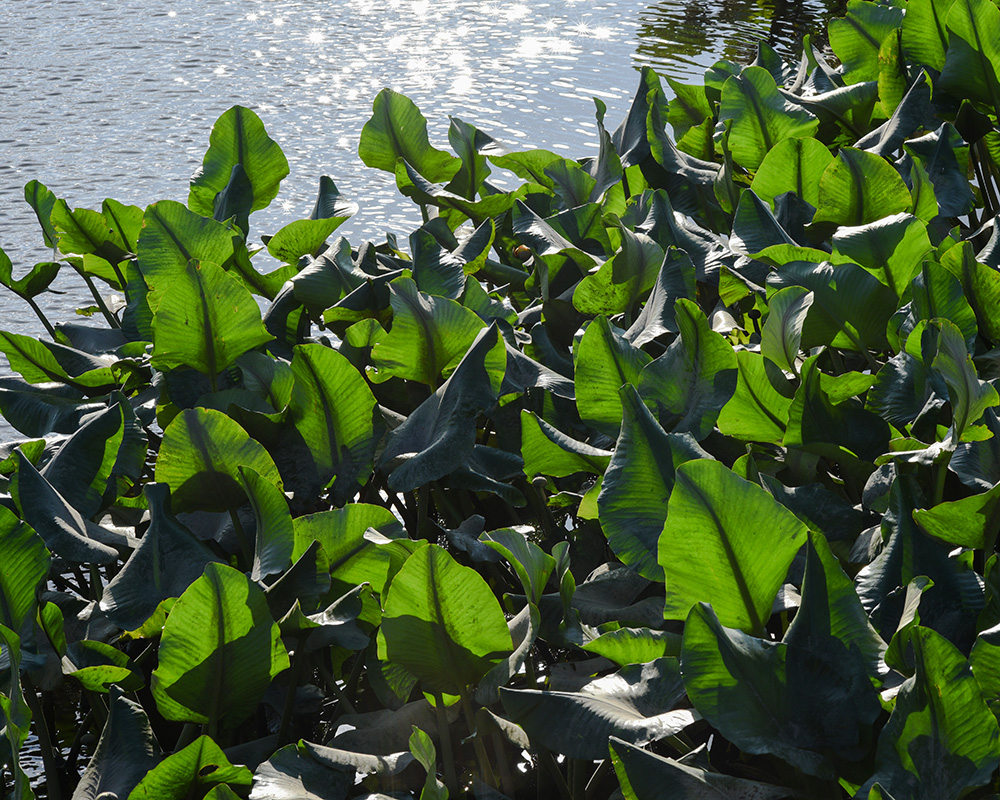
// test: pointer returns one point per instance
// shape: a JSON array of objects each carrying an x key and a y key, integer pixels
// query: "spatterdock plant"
[{"x": 673, "y": 471}]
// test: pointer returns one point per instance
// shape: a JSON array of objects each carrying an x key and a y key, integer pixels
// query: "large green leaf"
[
  {"x": 219, "y": 650},
  {"x": 439, "y": 435},
  {"x": 973, "y": 55},
  {"x": 65, "y": 532},
  {"x": 857, "y": 37},
  {"x": 621, "y": 280},
  {"x": 971, "y": 522},
  {"x": 761, "y": 116},
  {"x": 32, "y": 283},
  {"x": 397, "y": 130},
  {"x": 798, "y": 700},
  {"x": 969, "y": 396},
  {"x": 892, "y": 249},
  {"x": 758, "y": 409},
  {"x": 334, "y": 410},
  {"x": 925, "y": 32},
  {"x": 171, "y": 238},
  {"x": 206, "y": 320},
  {"x": 818, "y": 424},
  {"x": 295, "y": 771},
  {"x": 353, "y": 557},
  {"x": 125, "y": 752},
  {"x": 429, "y": 335},
  {"x": 199, "y": 459},
  {"x": 275, "y": 534},
  {"x": 635, "y": 704},
  {"x": 690, "y": 383},
  {"x": 859, "y": 187},
  {"x": 831, "y": 607},
  {"x": 238, "y": 138},
  {"x": 850, "y": 309},
  {"x": 728, "y": 541},
  {"x": 941, "y": 740},
  {"x": 782, "y": 332},
  {"x": 442, "y": 622},
  {"x": 642, "y": 775},
  {"x": 40, "y": 410},
  {"x": 193, "y": 769},
  {"x": 169, "y": 558},
  {"x": 632, "y": 504},
  {"x": 26, "y": 564},
  {"x": 548, "y": 451},
  {"x": 38, "y": 361},
  {"x": 605, "y": 361}
]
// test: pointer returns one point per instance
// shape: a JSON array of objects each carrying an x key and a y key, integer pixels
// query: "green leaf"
[
  {"x": 442, "y": 622},
  {"x": 297, "y": 771},
  {"x": 970, "y": 522},
  {"x": 830, "y": 607},
  {"x": 238, "y": 138},
  {"x": 973, "y": 55},
  {"x": 635, "y": 645},
  {"x": 531, "y": 564},
  {"x": 199, "y": 458},
  {"x": 168, "y": 559},
  {"x": 397, "y": 130},
  {"x": 761, "y": 116},
  {"x": 205, "y": 320},
  {"x": 354, "y": 558},
  {"x": 944, "y": 155},
  {"x": 171, "y": 238},
  {"x": 985, "y": 662},
  {"x": 42, "y": 201},
  {"x": 860, "y": 187},
  {"x": 194, "y": 769},
  {"x": 676, "y": 279},
  {"x": 65, "y": 532},
  {"x": 219, "y": 651},
  {"x": 44, "y": 362},
  {"x": 850, "y": 309},
  {"x": 26, "y": 565},
  {"x": 429, "y": 335},
  {"x": 691, "y": 382},
  {"x": 439, "y": 435},
  {"x": 782, "y": 334},
  {"x": 605, "y": 361},
  {"x": 472, "y": 146},
  {"x": 302, "y": 237},
  {"x": 892, "y": 249},
  {"x": 758, "y": 409},
  {"x": 623, "y": 279},
  {"x": 275, "y": 533},
  {"x": 819, "y": 425},
  {"x": 98, "y": 666},
  {"x": 925, "y": 32},
  {"x": 857, "y": 37},
  {"x": 334, "y": 410},
  {"x": 725, "y": 539},
  {"x": 634, "y": 704},
  {"x": 632, "y": 504},
  {"x": 642, "y": 774},
  {"x": 548, "y": 451},
  {"x": 969, "y": 396},
  {"x": 126, "y": 751},
  {"x": 765, "y": 697},
  {"x": 941, "y": 740},
  {"x": 31, "y": 284}
]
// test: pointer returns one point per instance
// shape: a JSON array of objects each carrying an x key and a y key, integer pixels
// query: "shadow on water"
[{"x": 685, "y": 35}]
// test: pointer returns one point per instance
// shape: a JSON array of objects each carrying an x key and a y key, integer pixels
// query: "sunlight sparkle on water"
[
  {"x": 253, "y": 16},
  {"x": 316, "y": 37}
]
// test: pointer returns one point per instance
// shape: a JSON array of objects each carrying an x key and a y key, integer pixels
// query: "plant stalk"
[
  {"x": 293, "y": 682},
  {"x": 444, "y": 734},
  {"x": 53, "y": 784},
  {"x": 485, "y": 769}
]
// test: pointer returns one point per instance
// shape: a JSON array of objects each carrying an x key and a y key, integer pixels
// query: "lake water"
[{"x": 116, "y": 97}]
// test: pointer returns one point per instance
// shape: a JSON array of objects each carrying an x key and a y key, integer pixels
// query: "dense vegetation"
[{"x": 674, "y": 472}]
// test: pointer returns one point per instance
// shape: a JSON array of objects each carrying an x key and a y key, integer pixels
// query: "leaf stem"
[
  {"x": 444, "y": 735},
  {"x": 38, "y": 313},
  {"x": 485, "y": 769},
  {"x": 53, "y": 782},
  {"x": 111, "y": 320},
  {"x": 289, "y": 707}
]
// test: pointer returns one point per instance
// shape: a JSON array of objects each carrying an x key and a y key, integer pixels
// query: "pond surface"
[{"x": 117, "y": 97}]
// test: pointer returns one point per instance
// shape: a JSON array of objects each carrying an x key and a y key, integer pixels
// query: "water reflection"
[{"x": 687, "y": 36}]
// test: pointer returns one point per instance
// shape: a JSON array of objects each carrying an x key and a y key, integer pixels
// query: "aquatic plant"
[{"x": 673, "y": 471}]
